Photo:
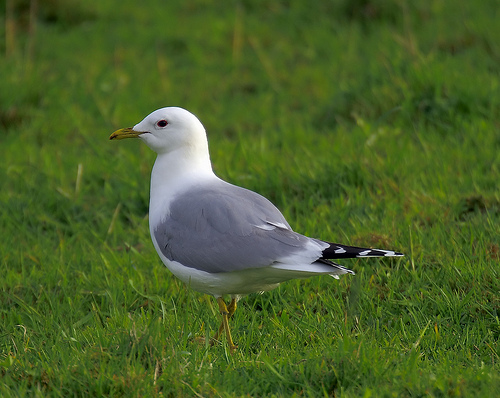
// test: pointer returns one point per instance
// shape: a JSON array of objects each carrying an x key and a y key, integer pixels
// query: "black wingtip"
[{"x": 337, "y": 250}]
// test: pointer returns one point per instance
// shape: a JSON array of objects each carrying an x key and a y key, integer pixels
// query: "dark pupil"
[{"x": 162, "y": 123}]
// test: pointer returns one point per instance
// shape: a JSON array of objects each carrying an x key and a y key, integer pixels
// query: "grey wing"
[{"x": 225, "y": 228}]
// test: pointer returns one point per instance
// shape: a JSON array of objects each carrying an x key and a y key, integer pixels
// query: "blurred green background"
[{"x": 366, "y": 122}]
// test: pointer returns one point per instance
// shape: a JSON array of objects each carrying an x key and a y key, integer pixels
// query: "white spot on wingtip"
[{"x": 340, "y": 251}]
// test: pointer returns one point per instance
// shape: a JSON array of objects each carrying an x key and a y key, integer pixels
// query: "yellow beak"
[{"x": 125, "y": 133}]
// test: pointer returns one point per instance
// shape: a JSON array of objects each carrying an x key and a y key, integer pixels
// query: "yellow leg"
[
  {"x": 226, "y": 312},
  {"x": 232, "y": 307}
]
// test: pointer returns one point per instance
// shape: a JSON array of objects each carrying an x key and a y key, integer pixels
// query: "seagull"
[{"x": 218, "y": 238}]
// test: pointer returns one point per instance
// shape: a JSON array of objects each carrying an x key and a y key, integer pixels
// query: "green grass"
[{"x": 366, "y": 122}]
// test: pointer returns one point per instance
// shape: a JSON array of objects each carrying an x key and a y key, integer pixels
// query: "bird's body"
[
  {"x": 222, "y": 239},
  {"x": 218, "y": 238}
]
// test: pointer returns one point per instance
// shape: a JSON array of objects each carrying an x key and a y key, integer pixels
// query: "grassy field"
[{"x": 366, "y": 122}]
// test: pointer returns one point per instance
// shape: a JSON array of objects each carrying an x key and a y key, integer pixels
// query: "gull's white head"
[{"x": 167, "y": 130}]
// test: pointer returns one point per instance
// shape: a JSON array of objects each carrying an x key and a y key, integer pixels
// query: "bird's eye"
[{"x": 162, "y": 123}]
